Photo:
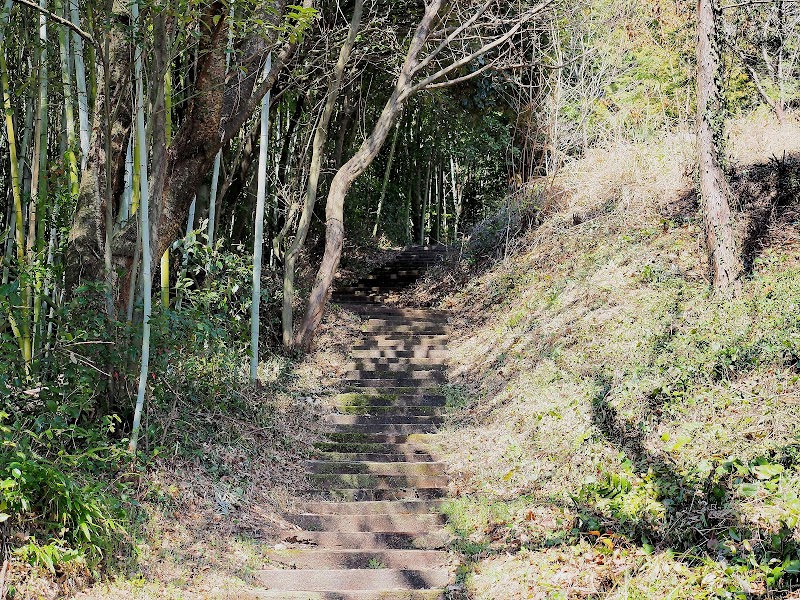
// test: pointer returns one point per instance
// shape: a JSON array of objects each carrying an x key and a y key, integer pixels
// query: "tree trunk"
[
  {"x": 721, "y": 243},
  {"x": 320, "y": 137},
  {"x": 350, "y": 171}
]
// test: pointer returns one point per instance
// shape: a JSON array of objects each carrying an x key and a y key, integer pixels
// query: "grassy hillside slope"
[{"x": 616, "y": 431}]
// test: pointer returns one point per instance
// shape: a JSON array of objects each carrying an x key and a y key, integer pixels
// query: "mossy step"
[
  {"x": 375, "y": 468},
  {"x": 374, "y": 457},
  {"x": 408, "y": 373},
  {"x": 388, "y": 409},
  {"x": 381, "y": 428},
  {"x": 384, "y": 418}
]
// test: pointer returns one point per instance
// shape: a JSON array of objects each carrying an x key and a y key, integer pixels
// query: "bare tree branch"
[{"x": 60, "y": 20}]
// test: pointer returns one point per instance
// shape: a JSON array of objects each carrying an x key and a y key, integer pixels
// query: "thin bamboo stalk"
[
  {"x": 145, "y": 233},
  {"x": 258, "y": 245},
  {"x": 21, "y": 333}
]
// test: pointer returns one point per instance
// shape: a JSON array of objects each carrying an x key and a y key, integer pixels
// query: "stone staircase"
[{"x": 371, "y": 528}]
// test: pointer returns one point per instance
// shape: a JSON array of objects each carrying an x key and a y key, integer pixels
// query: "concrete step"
[
  {"x": 372, "y": 398},
  {"x": 385, "y": 428},
  {"x": 403, "y": 382},
  {"x": 376, "y": 468},
  {"x": 408, "y": 373},
  {"x": 363, "y": 540},
  {"x": 397, "y": 363},
  {"x": 368, "y": 523},
  {"x": 343, "y": 481},
  {"x": 406, "y": 329},
  {"x": 396, "y": 312},
  {"x": 418, "y": 348},
  {"x": 375, "y": 457},
  {"x": 407, "y": 451},
  {"x": 400, "y": 392},
  {"x": 372, "y": 495},
  {"x": 405, "y": 337},
  {"x": 360, "y": 559},
  {"x": 432, "y": 594},
  {"x": 366, "y": 508},
  {"x": 370, "y": 352},
  {"x": 352, "y": 579},
  {"x": 388, "y": 409},
  {"x": 369, "y": 288},
  {"x": 385, "y": 418}
]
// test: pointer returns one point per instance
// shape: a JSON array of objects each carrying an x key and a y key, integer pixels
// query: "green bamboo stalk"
[
  {"x": 258, "y": 245},
  {"x": 39, "y": 191},
  {"x": 147, "y": 276},
  {"x": 66, "y": 82},
  {"x": 22, "y": 332},
  {"x": 168, "y": 124},
  {"x": 80, "y": 84}
]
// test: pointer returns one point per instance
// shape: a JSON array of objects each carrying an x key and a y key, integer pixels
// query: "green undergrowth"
[
  {"x": 617, "y": 430},
  {"x": 75, "y": 505}
]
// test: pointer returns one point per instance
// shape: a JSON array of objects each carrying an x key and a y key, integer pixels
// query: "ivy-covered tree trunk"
[{"x": 721, "y": 244}]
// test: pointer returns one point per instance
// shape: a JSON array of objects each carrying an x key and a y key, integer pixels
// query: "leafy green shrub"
[{"x": 54, "y": 495}]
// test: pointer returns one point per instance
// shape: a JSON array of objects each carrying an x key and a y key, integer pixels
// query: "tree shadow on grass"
[{"x": 701, "y": 519}]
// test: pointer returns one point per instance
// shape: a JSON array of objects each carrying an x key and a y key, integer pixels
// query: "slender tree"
[
  {"x": 320, "y": 138},
  {"x": 144, "y": 225},
  {"x": 724, "y": 255},
  {"x": 258, "y": 244}
]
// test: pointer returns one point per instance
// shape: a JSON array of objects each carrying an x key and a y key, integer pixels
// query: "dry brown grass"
[{"x": 563, "y": 346}]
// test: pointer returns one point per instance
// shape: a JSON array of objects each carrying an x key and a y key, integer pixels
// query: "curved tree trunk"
[
  {"x": 344, "y": 178},
  {"x": 320, "y": 137}
]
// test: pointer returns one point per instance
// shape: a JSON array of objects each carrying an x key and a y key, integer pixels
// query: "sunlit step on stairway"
[
  {"x": 378, "y": 428},
  {"x": 375, "y": 468},
  {"x": 430, "y": 594},
  {"x": 370, "y": 507},
  {"x": 352, "y": 579},
  {"x": 359, "y": 559},
  {"x": 374, "y": 457},
  {"x": 383, "y": 418},
  {"x": 363, "y": 495},
  {"x": 332, "y": 481},
  {"x": 367, "y": 523},
  {"x": 434, "y": 539}
]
